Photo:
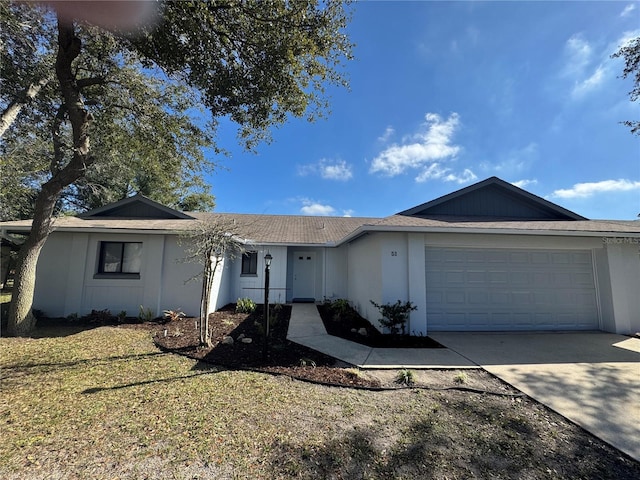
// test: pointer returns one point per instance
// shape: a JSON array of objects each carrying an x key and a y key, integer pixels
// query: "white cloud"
[
  {"x": 590, "y": 83},
  {"x": 386, "y": 136},
  {"x": 431, "y": 143},
  {"x": 436, "y": 172},
  {"x": 579, "y": 54},
  {"x": 514, "y": 161},
  {"x": 327, "y": 169},
  {"x": 627, "y": 10},
  {"x": 525, "y": 183},
  {"x": 314, "y": 208},
  {"x": 337, "y": 171},
  {"x": 584, "y": 190},
  {"x": 347, "y": 213}
]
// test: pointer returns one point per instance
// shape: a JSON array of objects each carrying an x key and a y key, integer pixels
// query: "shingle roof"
[
  {"x": 269, "y": 229},
  {"x": 435, "y": 222},
  {"x": 306, "y": 230}
]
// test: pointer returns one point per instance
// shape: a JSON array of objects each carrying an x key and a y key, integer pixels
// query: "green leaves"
[{"x": 154, "y": 98}]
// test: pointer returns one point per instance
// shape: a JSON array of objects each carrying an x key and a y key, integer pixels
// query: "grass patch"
[{"x": 105, "y": 403}]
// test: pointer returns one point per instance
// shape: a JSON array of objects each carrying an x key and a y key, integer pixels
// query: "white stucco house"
[{"x": 488, "y": 257}]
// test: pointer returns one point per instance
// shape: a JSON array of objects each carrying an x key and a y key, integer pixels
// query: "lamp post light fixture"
[{"x": 267, "y": 267}]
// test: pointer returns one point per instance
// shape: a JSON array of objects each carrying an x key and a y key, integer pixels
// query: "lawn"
[{"x": 105, "y": 403}]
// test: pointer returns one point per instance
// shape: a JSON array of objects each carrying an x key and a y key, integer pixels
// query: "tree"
[
  {"x": 113, "y": 100},
  {"x": 631, "y": 54},
  {"x": 210, "y": 243}
]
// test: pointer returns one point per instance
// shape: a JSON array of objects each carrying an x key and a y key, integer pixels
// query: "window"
[
  {"x": 250, "y": 263},
  {"x": 120, "y": 258}
]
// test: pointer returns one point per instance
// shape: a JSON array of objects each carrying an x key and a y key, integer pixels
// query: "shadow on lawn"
[
  {"x": 49, "y": 367},
  {"x": 166, "y": 380},
  {"x": 494, "y": 441}
]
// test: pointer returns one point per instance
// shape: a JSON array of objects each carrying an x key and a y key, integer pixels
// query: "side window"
[
  {"x": 120, "y": 258},
  {"x": 250, "y": 263}
]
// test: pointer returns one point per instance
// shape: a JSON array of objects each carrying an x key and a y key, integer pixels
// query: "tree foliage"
[
  {"x": 115, "y": 113},
  {"x": 630, "y": 52},
  {"x": 395, "y": 315}
]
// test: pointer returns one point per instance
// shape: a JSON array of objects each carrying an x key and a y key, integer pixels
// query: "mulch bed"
[
  {"x": 349, "y": 325},
  {"x": 283, "y": 357}
]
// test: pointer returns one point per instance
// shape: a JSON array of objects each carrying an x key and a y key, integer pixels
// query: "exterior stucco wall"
[
  {"x": 364, "y": 275},
  {"x": 181, "y": 285},
  {"x": 623, "y": 257},
  {"x": 55, "y": 262},
  {"x": 252, "y": 286},
  {"x": 336, "y": 276},
  {"x": 122, "y": 294},
  {"x": 603, "y": 278}
]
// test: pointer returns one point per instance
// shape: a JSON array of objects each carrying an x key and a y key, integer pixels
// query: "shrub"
[
  {"x": 172, "y": 315},
  {"x": 100, "y": 317},
  {"x": 394, "y": 315},
  {"x": 245, "y": 305},
  {"x": 340, "y": 309},
  {"x": 405, "y": 377},
  {"x": 145, "y": 314},
  {"x": 460, "y": 378}
]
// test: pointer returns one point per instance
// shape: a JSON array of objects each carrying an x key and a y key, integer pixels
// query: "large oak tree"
[{"x": 87, "y": 111}]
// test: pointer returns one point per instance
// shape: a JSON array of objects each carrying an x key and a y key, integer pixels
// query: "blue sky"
[{"x": 446, "y": 94}]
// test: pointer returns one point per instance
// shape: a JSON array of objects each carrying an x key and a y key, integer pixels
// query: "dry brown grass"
[{"x": 105, "y": 403}]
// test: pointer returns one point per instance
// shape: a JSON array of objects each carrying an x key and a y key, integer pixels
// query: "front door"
[{"x": 304, "y": 275}]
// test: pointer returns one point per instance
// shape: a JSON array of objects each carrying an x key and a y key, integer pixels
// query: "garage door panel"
[
  {"x": 497, "y": 277},
  {"x": 510, "y": 289}
]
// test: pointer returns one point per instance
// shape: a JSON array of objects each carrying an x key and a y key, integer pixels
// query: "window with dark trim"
[
  {"x": 249, "y": 263},
  {"x": 120, "y": 258}
]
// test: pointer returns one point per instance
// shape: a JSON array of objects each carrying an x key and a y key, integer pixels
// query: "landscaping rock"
[
  {"x": 363, "y": 332},
  {"x": 227, "y": 341},
  {"x": 246, "y": 340}
]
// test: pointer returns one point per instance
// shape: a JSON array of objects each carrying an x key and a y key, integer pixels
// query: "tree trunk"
[{"x": 21, "y": 321}]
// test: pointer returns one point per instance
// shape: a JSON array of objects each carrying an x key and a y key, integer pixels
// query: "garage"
[{"x": 499, "y": 289}]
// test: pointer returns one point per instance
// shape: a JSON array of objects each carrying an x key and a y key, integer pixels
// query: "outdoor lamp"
[{"x": 267, "y": 264}]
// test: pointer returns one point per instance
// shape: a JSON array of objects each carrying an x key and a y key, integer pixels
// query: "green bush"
[
  {"x": 395, "y": 315},
  {"x": 405, "y": 377},
  {"x": 245, "y": 305},
  {"x": 145, "y": 314}
]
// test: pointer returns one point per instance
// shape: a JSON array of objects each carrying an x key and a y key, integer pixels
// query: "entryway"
[{"x": 304, "y": 276}]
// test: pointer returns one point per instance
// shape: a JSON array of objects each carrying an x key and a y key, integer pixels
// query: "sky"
[{"x": 446, "y": 94}]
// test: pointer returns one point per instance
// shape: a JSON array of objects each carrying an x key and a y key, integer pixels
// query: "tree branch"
[
  {"x": 12, "y": 111},
  {"x": 88, "y": 82}
]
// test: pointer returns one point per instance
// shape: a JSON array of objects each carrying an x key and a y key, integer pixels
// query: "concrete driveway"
[{"x": 591, "y": 378}]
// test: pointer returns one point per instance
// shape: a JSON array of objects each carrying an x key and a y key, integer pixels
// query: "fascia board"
[{"x": 492, "y": 231}]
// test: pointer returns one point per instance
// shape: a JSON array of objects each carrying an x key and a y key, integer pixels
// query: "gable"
[
  {"x": 493, "y": 199},
  {"x": 137, "y": 206}
]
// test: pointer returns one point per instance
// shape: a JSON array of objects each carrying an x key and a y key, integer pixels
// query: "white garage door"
[{"x": 510, "y": 289}]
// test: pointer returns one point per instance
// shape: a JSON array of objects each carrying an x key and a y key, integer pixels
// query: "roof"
[
  {"x": 148, "y": 217},
  {"x": 493, "y": 198},
  {"x": 266, "y": 229}
]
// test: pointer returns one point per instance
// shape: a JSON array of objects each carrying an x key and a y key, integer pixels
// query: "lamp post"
[{"x": 267, "y": 266}]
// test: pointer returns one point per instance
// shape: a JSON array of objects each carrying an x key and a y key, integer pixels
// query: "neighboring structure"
[{"x": 489, "y": 257}]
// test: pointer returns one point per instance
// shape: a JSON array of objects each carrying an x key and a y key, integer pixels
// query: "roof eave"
[{"x": 505, "y": 231}]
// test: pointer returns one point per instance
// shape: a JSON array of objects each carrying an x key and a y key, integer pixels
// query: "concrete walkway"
[
  {"x": 590, "y": 378},
  {"x": 306, "y": 328}
]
